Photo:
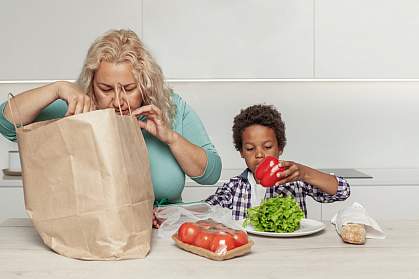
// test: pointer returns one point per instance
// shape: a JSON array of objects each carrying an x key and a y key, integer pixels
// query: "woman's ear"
[{"x": 280, "y": 153}]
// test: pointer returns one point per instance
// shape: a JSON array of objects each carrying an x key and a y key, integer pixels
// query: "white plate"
[{"x": 307, "y": 226}]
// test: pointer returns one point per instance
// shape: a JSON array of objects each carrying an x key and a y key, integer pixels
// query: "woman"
[{"x": 119, "y": 73}]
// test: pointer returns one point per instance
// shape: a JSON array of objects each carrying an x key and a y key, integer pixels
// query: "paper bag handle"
[
  {"x": 10, "y": 97},
  {"x": 119, "y": 85}
]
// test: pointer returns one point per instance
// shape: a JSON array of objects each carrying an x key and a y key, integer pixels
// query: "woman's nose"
[
  {"x": 117, "y": 100},
  {"x": 117, "y": 96}
]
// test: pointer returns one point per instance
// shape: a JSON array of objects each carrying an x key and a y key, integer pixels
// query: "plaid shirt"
[{"x": 236, "y": 194}]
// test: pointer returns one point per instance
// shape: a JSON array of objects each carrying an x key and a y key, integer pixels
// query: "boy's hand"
[
  {"x": 297, "y": 172},
  {"x": 292, "y": 172}
]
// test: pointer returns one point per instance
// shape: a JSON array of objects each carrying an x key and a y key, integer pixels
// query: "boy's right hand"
[{"x": 288, "y": 171}]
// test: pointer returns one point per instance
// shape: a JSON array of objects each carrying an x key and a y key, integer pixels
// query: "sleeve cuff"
[
  {"x": 212, "y": 170},
  {"x": 6, "y": 127}
]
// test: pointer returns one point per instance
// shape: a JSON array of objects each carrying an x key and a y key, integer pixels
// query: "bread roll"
[{"x": 353, "y": 233}]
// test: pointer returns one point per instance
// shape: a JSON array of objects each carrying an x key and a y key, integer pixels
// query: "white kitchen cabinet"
[
  {"x": 12, "y": 204},
  {"x": 390, "y": 194},
  {"x": 230, "y": 39},
  {"x": 313, "y": 209},
  {"x": 380, "y": 202},
  {"x": 197, "y": 193},
  {"x": 49, "y": 39},
  {"x": 366, "y": 39}
]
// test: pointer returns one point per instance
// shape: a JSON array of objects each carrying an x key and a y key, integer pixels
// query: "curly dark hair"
[{"x": 265, "y": 115}]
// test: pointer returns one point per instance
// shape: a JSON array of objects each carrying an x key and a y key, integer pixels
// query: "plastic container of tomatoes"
[{"x": 213, "y": 240}]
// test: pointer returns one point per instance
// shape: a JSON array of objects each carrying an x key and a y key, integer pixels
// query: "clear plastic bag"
[
  {"x": 172, "y": 216},
  {"x": 207, "y": 231},
  {"x": 356, "y": 214}
]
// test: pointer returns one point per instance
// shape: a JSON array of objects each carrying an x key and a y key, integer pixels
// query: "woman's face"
[
  {"x": 108, "y": 80},
  {"x": 258, "y": 142}
]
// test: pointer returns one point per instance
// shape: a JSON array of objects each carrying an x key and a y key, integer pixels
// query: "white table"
[{"x": 323, "y": 255}]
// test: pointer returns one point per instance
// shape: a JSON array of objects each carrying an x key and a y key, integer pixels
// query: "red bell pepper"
[{"x": 264, "y": 172}]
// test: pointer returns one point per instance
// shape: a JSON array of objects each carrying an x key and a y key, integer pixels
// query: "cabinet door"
[
  {"x": 197, "y": 193},
  {"x": 230, "y": 39},
  {"x": 49, "y": 39},
  {"x": 366, "y": 39},
  {"x": 380, "y": 202},
  {"x": 12, "y": 203},
  {"x": 314, "y": 209}
]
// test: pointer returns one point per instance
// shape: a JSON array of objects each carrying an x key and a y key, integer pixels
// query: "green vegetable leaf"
[{"x": 278, "y": 214}]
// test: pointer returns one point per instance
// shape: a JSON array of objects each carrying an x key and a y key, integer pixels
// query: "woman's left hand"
[
  {"x": 156, "y": 222},
  {"x": 154, "y": 123},
  {"x": 292, "y": 172}
]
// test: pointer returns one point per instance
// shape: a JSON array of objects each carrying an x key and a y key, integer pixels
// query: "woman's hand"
[
  {"x": 156, "y": 221},
  {"x": 31, "y": 102},
  {"x": 154, "y": 123},
  {"x": 190, "y": 157},
  {"x": 77, "y": 100}
]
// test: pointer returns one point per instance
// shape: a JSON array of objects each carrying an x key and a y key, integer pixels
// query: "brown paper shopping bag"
[{"x": 87, "y": 185}]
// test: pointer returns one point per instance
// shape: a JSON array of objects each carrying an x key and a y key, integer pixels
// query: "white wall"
[
  {"x": 366, "y": 39},
  {"x": 218, "y": 39},
  {"x": 330, "y": 124},
  {"x": 49, "y": 39},
  {"x": 231, "y": 39}
]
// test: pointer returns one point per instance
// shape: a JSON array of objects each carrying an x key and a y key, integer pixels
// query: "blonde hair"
[{"x": 117, "y": 46}]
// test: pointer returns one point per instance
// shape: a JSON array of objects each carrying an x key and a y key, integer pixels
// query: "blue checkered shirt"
[{"x": 236, "y": 194}]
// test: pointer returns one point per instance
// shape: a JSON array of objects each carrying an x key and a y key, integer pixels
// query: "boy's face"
[{"x": 258, "y": 142}]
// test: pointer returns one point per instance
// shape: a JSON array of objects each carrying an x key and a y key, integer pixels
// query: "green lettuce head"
[{"x": 278, "y": 214}]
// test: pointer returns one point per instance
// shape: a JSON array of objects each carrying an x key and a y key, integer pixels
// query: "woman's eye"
[
  {"x": 268, "y": 147},
  {"x": 249, "y": 148},
  {"x": 106, "y": 89},
  {"x": 130, "y": 89}
]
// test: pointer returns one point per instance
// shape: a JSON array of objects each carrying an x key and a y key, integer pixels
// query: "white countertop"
[
  {"x": 381, "y": 177},
  {"x": 323, "y": 255}
]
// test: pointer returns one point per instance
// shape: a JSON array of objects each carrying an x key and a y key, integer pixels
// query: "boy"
[{"x": 258, "y": 131}]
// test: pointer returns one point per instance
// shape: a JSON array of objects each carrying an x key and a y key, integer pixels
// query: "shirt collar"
[{"x": 245, "y": 174}]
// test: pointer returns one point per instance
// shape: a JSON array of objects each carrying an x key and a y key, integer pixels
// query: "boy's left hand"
[{"x": 293, "y": 172}]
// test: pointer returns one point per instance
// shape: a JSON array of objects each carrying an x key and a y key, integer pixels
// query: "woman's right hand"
[{"x": 77, "y": 100}]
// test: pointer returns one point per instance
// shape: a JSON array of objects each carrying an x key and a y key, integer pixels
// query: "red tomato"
[
  {"x": 187, "y": 232},
  {"x": 227, "y": 230},
  {"x": 240, "y": 238},
  {"x": 204, "y": 224},
  {"x": 222, "y": 243},
  {"x": 265, "y": 166},
  {"x": 220, "y": 226},
  {"x": 204, "y": 239}
]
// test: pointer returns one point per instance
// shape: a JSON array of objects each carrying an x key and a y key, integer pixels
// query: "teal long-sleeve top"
[{"x": 167, "y": 175}]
